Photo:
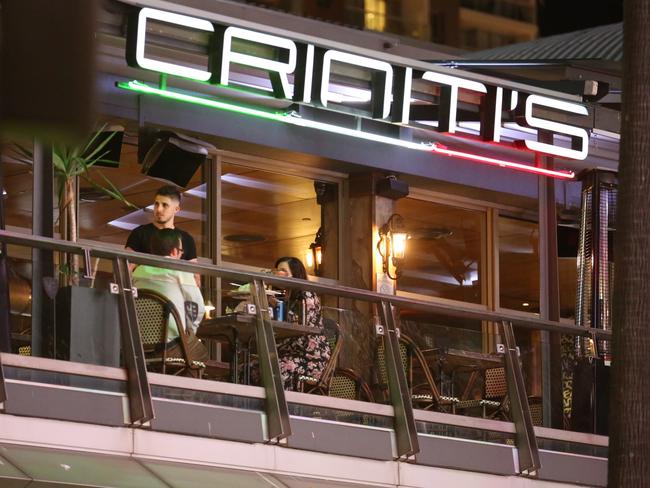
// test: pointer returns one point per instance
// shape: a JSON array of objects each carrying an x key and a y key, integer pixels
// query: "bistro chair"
[
  {"x": 153, "y": 311},
  {"x": 423, "y": 389},
  {"x": 346, "y": 383},
  {"x": 495, "y": 396}
]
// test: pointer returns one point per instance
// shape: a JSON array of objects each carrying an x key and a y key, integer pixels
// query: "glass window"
[
  {"x": 518, "y": 264},
  {"x": 375, "y": 14},
  {"x": 445, "y": 252},
  {"x": 266, "y": 215}
]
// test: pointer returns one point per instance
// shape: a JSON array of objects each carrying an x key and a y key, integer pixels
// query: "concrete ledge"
[
  {"x": 340, "y": 438},
  {"x": 208, "y": 421},
  {"x": 449, "y": 452}
]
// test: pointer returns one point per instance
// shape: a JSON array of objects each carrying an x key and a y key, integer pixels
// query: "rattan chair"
[
  {"x": 345, "y": 383},
  {"x": 153, "y": 311},
  {"x": 495, "y": 403},
  {"x": 423, "y": 389}
]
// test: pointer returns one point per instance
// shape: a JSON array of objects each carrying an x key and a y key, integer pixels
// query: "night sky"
[{"x": 559, "y": 16}]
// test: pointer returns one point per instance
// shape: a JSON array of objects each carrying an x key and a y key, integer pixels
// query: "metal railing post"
[
  {"x": 277, "y": 411},
  {"x": 405, "y": 431},
  {"x": 139, "y": 391},
  {"x": 527, "y": 449}
]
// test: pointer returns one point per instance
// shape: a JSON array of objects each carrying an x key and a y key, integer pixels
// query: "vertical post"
[
  {"x": 5, "y": 324},
  {"x": 42, "y": 259},
  {"x": 140, "y": 401},
  {"x": 405, "y": 431},
  {"x": 527, "y": 449},
  {"x": 277, "y": 411},
  {"x": 549, "y": 300}
]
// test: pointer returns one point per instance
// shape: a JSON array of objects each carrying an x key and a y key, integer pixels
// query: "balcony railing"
[{"x": 268, "y": 413}]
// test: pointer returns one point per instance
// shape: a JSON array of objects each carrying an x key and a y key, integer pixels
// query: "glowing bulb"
[
  {"x": 398, "y": 245},
  {"x": 309, "y": 258}
]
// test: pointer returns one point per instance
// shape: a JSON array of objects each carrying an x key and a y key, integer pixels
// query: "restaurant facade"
[{"x": 456, "y": 224}]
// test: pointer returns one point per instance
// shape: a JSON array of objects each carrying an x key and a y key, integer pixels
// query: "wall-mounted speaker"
[
  {"x": 172, "y": 157},
  {"x": 391, "y": 187}
]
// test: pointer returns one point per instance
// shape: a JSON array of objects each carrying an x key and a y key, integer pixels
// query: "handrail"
[{"x": 455, "y": 310}]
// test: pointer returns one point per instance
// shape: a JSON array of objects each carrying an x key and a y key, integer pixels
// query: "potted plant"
[
  {"x": 72, "y": 163},
  {"x": 86, "y": 318}
]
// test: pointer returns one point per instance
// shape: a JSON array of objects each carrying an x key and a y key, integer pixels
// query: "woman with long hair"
[{"x": 303, "y": 355}]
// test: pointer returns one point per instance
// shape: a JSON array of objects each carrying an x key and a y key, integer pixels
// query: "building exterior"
[
  {"x": 293, "y": 137},
  {"x": 467, "y": 24}
]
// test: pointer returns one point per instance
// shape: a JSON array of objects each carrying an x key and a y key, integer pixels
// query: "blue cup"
[{"x": 279, "y": 310}]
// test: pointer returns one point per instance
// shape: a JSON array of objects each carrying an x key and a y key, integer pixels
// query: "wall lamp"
[
  {"x": 314, "y": 255},
  {"x": 392, "y": 245}
]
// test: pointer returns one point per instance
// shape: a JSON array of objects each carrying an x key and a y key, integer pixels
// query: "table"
[
  {"x": 242, "y": 328},
  {"x": 455, "y": 361}
]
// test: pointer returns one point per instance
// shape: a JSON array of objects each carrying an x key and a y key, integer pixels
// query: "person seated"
[
  {"x": 180, "y": 288},
  {"x": 303, "y": 355}
]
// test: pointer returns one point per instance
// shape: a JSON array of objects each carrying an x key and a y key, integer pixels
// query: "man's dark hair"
[
  {"x": 169, "y": 191},
  {"x": 164, "y": 241}
]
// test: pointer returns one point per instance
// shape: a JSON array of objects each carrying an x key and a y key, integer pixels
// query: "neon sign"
[{"x": 390, "y": 85}]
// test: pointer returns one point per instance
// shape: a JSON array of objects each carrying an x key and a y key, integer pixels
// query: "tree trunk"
[
  {"x": 629, "y": 451},
  {"x": 68, "y": 229}
]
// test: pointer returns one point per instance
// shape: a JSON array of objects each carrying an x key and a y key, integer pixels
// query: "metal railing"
[{"x": 138, "y": 381}]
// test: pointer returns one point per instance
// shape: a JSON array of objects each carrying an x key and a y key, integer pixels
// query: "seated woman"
[{"x": 303, "y": 355}]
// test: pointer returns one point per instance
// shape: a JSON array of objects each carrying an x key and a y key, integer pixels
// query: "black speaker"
[
  {"x": 48, "y": 66},
  {"x": 567, "y": 241},
  {"x": 173, "y": 157},
  {"x": 111, "y": 151},
  {"x": 391, "y": 187}
]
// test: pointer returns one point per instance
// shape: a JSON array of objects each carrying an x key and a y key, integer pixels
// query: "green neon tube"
[{"x": 292, "y": 119}]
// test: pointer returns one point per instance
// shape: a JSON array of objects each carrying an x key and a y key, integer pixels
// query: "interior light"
[
  {"x": 309, "y": 258},
  {"x": 294, "y": 119},
  {"x": 209, "y": 308}
]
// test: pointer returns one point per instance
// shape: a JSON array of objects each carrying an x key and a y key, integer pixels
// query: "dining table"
[
  {"x": 455, "y": 361},
  {"x": 240, "y": 329}
]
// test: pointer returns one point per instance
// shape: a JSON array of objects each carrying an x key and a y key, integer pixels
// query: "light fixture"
[
  {"x": 392, "y": 245},
  {"x": 314, "y": 255},
  {"x": 293, "y": 119}
]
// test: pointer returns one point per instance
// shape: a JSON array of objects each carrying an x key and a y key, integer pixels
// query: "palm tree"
[
  {"x": 71, "y": 163},
  {"x": 629, "y": 426}
]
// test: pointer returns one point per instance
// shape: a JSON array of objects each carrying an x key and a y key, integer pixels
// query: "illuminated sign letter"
[
  {"x": 491, "y": 112},
  {"x": 137, "y": 37},
  {"x": 579, "y": 136},
  {"x": 401, "y": 110},
  {"x": 381, "y": 99},
  {"x": 449, "y": 97},
  {"x": 277, "y": 69}
]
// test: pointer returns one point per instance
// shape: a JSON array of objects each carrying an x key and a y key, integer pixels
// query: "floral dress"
[{"x": 303, "y": 355}]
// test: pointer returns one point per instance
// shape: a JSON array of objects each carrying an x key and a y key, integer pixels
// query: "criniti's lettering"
[
  {"x": 579, "y": 137},
  {"x": 381, "y": 85},
  {"x": 278, "y": 69},
  {"x": 449, "y": 86},
  {"x": 390, "y": 85},
  {"x": 137, "y": 40}
]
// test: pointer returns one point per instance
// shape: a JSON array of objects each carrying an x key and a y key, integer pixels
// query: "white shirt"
[{"x": 179, "y": 287}]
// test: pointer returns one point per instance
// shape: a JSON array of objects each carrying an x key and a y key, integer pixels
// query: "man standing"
[
  {"x": 179, "y": 287},
  {"x": 167, "y": 203}
]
